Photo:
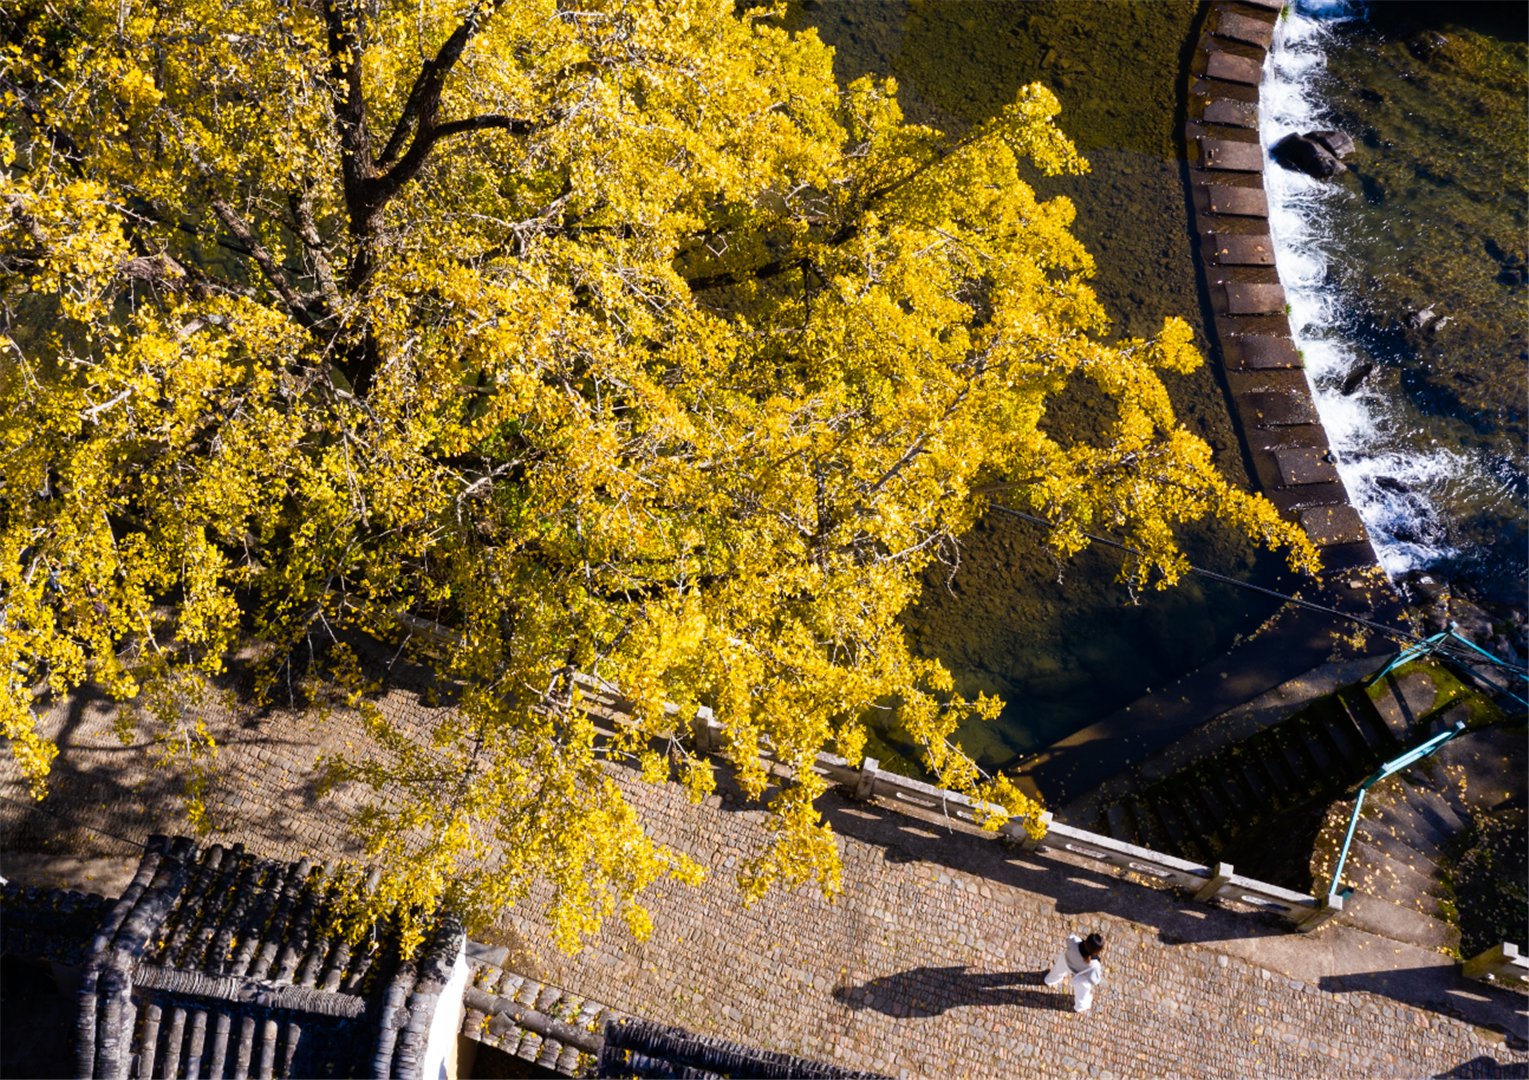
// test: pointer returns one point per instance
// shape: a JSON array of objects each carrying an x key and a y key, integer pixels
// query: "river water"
[
  {"x": 1064, "y": 644},
  {"x": 1406, "y": 275}
]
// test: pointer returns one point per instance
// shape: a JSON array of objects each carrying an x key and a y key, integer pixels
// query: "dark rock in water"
[
  {"x": 1514, "y": 270},
  {"x": 1425, "y": 585},
  {"x": 1470, "y": 619},
  {"x": 1375, "y": 97},
  {"x": 1374, "y": 193},
  {"x": 1338, "y": 143},
  {"x": 1427, "y": 45},
  {"x": 1499, "y": 253},
  {"x": 1304, "y": 154},
  {"x": 1352, "y": 380},
  {"x": 1391, "y": 484}
]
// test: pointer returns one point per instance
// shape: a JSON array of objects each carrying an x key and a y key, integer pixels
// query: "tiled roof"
[
  {"x": 573, "y": 1036},
  {"x": 48, "y": 924},
  {"x": 533, "y": 1021},
  {"x": 643, "y": 1048},
  {"x": 217, "y": 963}
]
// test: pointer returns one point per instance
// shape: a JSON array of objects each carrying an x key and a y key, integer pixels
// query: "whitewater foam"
[{"x": 1393, "y": 489}]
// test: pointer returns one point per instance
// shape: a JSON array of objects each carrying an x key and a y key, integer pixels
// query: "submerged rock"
[
  {"x": 1353, "y": 379},
  {"x": 1427, "y": 45},
  {"x": 1312, "y": 153},
  {"x": 1338, "y": 143}
]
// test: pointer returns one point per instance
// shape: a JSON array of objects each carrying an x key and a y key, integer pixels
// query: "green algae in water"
[
  {"x": 1434, "y": 215},
  {"x": 1063, "y": 644}
]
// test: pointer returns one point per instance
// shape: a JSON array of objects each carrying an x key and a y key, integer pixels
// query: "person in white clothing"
[{"x": 1079, "y": 961}]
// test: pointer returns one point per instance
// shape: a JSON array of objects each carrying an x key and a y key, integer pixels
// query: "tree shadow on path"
[{"x": 930, "y": 991}]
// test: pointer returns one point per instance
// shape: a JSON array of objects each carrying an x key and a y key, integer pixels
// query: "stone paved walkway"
[{"x": 928, "y": 965}]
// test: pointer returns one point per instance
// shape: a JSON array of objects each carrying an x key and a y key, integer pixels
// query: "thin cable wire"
[
  {"x": 1393, "y": 632},
  {"x": 40, "y": 808}
]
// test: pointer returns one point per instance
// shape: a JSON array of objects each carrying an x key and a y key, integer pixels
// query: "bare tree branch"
[{"x": 424, "y": 102}]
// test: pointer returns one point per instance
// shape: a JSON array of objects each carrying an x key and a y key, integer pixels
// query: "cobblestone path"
[{"x": 929, "y": 964}]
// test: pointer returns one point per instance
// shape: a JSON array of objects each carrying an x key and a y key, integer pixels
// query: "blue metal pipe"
[{"x": 1395, "y": 765}]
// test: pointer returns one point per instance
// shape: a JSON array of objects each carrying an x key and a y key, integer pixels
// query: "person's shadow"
[{"x": 930, "y": 991}]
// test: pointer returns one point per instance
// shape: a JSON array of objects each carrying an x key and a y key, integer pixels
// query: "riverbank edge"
[
  {"x": 1256, "y": 354},
  {"x": 1284, "y": 444}
]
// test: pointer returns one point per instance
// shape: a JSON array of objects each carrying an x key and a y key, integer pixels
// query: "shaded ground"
[
  {"x": 1064, "y": 645},
  {"x": 924, "y": 966}
]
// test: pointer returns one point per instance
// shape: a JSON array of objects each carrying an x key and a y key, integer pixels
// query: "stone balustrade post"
[
  {"x": 1499, "y": 962},
  {"x": 1327, "y": 909},
  {"x": 705, "y": 731},
  {"x": 865, "y": 787},
  {"x": 1220, "y": 876}
]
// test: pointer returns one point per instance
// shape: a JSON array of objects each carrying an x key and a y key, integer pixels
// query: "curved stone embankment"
[
  {"x": 1287, "y": 448},
  {"x": 1264, "y": 373}
]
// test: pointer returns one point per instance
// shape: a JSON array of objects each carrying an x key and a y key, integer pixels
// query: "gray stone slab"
[
  {"x": 1237, "y": 201},
  {"x": 1268, "y": 5},
  {"x": 1230, "y": 67},
  {"x": 1280, "y": 409},
  {"x": 1331, "y": 525},
  {"x": 1356, "y": 556},
  {"x": 1251, "y": 298},
  {"x": 1244, "y": 28},
  {"x": 1231, "y": 156},
  {"x": 1292, "y": 500},
  {"x": 1231, "y": 112},
  {"x": 1260, "y": 352},
  {"x": 1235, "y": 249},
  {"x": 1263, "y": 441},
  {"x": 1404, "y": 702},
  {"x": 1301, "y": 465}
]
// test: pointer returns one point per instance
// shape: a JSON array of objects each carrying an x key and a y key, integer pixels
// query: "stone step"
[
  {"x": 1145, "y": 826},
  {"x": 1364, "y": 714},
  {"x": 1244, "y": 28},
  {"x": 1398, "y": 854},
  {"x": 1443, "y": 813},
  {"x": 1250, "y": 777},
  {"x": 1402, "y": 702},
  {"x": 1345, "y": 744},
  {"x": 1371, "y": 872},
  {"x": 1214, "y": 822},
  {"x": 1374, "y": 738},
  {"x": 1229, "y": 67},
  {"x": 1399, "y": 922},
  {"x": 1419, "y": 820},
  {"x": 1309, "y": 744},
  {"x": 1231, "y": 112},
  {"x": 1275, "y": 772},
  {"x": 1298, "y": 767},
  {"x": 1118, "y": 823},
  {"x": 1178, "y": 826},
  {"x": 1429, "y": 776},
  {"x": 1231, "y": 796}
]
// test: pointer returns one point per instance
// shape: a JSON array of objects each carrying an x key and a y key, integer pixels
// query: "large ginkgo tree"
[{"x": 610, "y": 339}]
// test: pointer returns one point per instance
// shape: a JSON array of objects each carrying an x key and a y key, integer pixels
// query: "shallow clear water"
[
  {"x": 1062, "y": 644},
  {"x": 1405, "y": 275}
]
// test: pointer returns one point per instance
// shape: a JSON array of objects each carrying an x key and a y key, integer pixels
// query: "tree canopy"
[{"x": 615, "y": 338}]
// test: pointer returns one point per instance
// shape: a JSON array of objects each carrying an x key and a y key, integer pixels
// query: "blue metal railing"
[
  {"x": 1439, "y": 644},
  {"x": 1395, "y": 765}
]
